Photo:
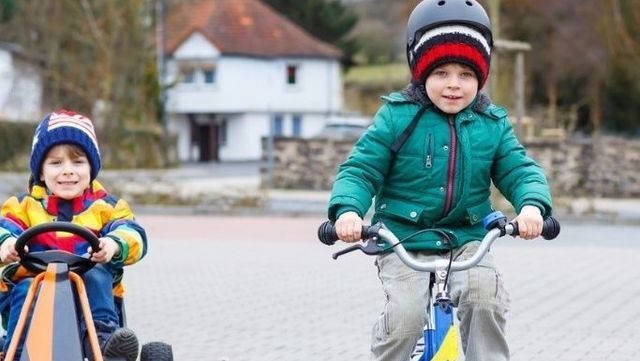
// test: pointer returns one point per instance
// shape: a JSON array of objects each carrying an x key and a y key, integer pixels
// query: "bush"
[{"x": 15, "y": 145}]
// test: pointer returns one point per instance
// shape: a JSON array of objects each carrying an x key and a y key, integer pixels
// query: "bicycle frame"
[
  {"x": 440, "y": 335},
  {"x": 440, "y": 332}
]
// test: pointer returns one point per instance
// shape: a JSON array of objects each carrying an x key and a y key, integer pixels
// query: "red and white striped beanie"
[{"x": 451, "y": 43}]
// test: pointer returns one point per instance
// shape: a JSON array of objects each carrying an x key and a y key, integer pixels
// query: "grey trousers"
[{"x": 478, "y": 293}]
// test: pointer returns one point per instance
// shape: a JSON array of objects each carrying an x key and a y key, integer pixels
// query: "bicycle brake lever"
[
  {"x": 345, "y": 251},
  {"x": 371, "y": 248}
]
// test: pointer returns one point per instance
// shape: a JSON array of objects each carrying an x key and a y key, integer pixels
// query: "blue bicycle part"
[
  {"x": 441, "y": 341},
  {"x": 494, "y": 219}
]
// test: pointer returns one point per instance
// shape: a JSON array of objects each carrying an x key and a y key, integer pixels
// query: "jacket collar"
[{"x": 64, "y": 209}]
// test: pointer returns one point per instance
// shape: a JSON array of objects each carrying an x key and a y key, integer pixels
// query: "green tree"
[
  {"x": 328, "y": 20},
  {"x": 622, "y": 83},
  {"x": 381, "y": 30},
  {"x": 99, "y": 57},
  {"x": 7, "y": 9},
  {"x": 568, "y": 61}
]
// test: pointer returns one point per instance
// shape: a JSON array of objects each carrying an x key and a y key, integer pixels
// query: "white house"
[
  {"x": 20, "y": 84},
  {"x": 239, "y": 69}
]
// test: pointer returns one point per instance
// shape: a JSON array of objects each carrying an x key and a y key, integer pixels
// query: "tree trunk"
[
  {"x": 552, "y": 106},
  {"x": 595, "y": 110}
]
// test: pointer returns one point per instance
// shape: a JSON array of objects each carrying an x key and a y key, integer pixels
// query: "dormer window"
[
  {"x": 209, "y": 73},
  {"x": 187, "y": 74},
  {"x": 198, "y": 72}
]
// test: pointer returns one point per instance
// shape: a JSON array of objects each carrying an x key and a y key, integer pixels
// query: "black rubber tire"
[{"x": 156, "y": 351}]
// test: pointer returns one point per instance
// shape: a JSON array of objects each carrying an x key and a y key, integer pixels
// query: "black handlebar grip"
[
  {"x": 327, "y": 233},
  {"x": 550, "y": 228}
]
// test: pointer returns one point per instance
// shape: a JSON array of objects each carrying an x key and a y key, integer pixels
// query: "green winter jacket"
[{"x": 441, "y": 176}]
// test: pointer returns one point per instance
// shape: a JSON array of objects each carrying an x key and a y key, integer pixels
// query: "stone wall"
[{"x": 603, "y": 167}]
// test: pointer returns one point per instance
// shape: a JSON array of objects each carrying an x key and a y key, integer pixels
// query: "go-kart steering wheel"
[{"x": 38, "y": 261}]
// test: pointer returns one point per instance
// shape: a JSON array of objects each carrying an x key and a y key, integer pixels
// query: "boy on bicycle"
[
  {"x": 65, "y": 161},
  {"x": 429, "y": 158}
]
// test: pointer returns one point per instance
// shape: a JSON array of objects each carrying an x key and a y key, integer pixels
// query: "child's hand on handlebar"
[
  {"x": 8, "y": 253},
  {"x": 529, "y": 222},
  {"x": 108, "y": 249},
  {"x": 349, "y": 227}
]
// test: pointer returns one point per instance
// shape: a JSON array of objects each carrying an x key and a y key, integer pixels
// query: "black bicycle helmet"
[{"x": 429, "y": 14}]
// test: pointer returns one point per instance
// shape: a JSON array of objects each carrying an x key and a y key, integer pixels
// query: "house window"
[
  {"x": 278, "y": 125},
  {"x": 188, "y": 75},
  {"x": 292, "y": 74},
  {"x": 198, "y": 72},
  {"x": 296, "y": 125},
  {"x": 209, "y": 72}
]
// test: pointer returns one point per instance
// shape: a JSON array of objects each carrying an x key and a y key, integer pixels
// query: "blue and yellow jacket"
[{"x": 98, "y": 211}]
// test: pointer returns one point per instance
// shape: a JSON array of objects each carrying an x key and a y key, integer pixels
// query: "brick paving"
[
  {"x": 263, "y": 288},
  {"x": 252, "y": 288}
]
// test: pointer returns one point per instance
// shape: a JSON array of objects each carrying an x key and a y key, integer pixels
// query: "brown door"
[{"x": 208, "y": 142}]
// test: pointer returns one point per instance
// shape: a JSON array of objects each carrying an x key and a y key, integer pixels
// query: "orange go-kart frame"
[{"x": 53, "y": 332}]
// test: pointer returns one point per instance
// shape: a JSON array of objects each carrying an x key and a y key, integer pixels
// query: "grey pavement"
[
  {"x": 248, "y": 281},
  {"x": 263, "y": 288}
]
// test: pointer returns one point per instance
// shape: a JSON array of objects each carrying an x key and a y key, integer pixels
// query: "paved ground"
[
  {"x": 262, "y": 288},
  {"x": 251, "y": 287}
]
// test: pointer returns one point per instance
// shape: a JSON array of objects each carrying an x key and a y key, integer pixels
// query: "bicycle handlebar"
[{"x": 496, "y": 223}]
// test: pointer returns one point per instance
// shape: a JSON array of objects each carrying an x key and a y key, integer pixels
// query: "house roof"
[
  {"x": 245, "y": 27},
  {"x": 19, "y": 52}
]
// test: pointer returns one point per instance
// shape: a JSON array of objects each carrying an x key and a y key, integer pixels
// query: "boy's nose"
[
  {"x": 453, "y": 82},
  {"x": 67, "y": 168}
]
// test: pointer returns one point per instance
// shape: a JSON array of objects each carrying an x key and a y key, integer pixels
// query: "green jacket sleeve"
[
  {"x": 360, "y": 177},
  {"x": 518, "y": 177}
]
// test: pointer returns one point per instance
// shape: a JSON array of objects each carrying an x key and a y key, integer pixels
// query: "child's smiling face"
[
  {"x": 66, "y": 171},
  {"x": 452, "y": 87}
]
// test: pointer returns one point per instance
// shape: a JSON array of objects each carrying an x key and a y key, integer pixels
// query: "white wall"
[
  {"x": 20, "y": 89},
  {"x": 252, "y": 84},
  {"x": 243, "y": 137},
  {"x": 196, "y": 47},
  {"x": 179, "y": 125}
]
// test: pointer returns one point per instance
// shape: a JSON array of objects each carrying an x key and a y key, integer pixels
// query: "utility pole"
[{"x": 162, "y": 96}]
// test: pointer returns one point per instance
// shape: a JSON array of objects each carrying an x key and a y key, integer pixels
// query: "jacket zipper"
[
  {"x": 428, "y": 162},
  {"x": 452, "y": 166}
]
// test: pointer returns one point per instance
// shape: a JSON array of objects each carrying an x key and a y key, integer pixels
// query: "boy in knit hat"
[
  {"x": 429, "y": 158},
  {"x": 65, "y": 161}
]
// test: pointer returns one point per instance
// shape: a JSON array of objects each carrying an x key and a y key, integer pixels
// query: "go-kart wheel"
[{"x": 156, "y": 351}]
